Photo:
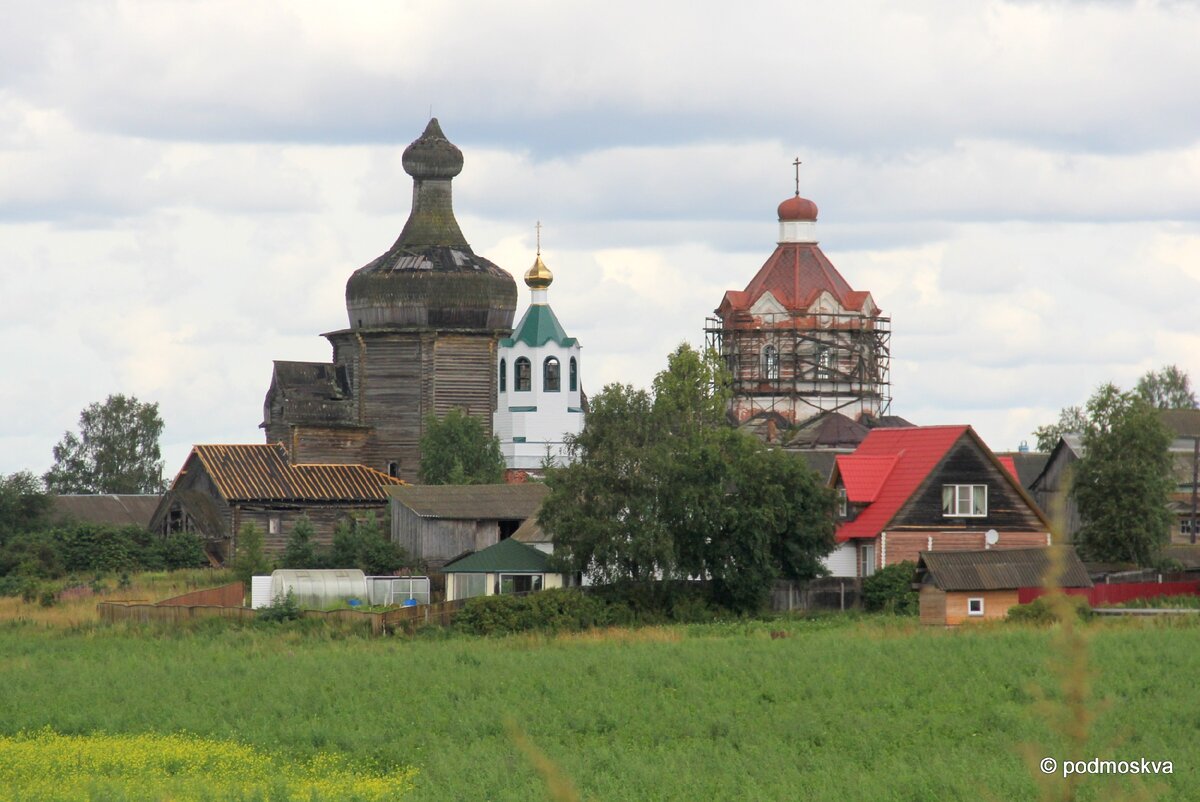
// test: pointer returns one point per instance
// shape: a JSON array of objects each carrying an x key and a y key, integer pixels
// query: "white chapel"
[{"x": 539, "y": 397}]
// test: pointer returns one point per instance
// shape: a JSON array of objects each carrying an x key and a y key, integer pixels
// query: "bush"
[
  {"x": 556, "y": 610},
  {"x": 300, "y": 551},
  {"x": 282, "y": 608},
  {"x": 890, "y": 590},
  {"x": 249, "y": 561},
  {"x": 183, "y": 550},
  {"x": 1039, "y": 610},
  {"x": 31, "y": 554},
  {"x": 362, "y": 544}
]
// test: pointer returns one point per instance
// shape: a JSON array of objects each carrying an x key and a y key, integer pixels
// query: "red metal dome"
[{"x": 797, "y": 208}]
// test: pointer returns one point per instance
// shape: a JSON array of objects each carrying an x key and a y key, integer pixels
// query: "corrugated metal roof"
[
  {"x": 1000, "y": 569},
  {"x": 118, "y": 510},
  {"x": 508, "y": 555},
  {"x": 531, "y": 532},
  {"x": 472, "y": 502},
  {"x": 263, "y": 473}
]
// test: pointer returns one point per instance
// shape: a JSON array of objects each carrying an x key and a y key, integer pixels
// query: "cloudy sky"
[{"x": 186, "y": 187}]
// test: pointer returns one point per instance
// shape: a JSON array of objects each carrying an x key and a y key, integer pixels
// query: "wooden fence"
[
  {"x": 407, "y": 619},
  {"x": 1118, "y": 593},
  {"x": 828, "y": 593}
]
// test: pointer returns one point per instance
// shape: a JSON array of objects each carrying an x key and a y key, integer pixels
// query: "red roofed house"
[
  {"x": 927, "y": 488},
  {"x": 799, "y": 340}
]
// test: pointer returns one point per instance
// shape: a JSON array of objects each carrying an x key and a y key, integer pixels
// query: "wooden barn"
[
  {"x": 107, "y": 510},
  {"x": 222, "y": 487},
  {"x": 927, "y": 488},
  {"x": 958, "y": 587},
  {"x": 437, "y": 523}
]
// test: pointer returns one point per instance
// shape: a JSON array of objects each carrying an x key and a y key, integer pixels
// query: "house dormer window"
[
  {"x": 843, "y": 503},
  {"x": 964, "y": 501}
]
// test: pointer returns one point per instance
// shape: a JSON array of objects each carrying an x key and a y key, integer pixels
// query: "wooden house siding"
[
  {"x": 995, "y": 605},
  {"x": 438, "y": 540},
  {"x": 900, "y": 546},
  {"x": 965, "y": 464},
  {"x": 320, "y": 445},
  {"x": 325, "y": 519},
  {"x": 932, "y": 606}
]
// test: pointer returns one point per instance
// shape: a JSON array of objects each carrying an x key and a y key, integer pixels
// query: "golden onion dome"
[{"x": 539, "y": 276}]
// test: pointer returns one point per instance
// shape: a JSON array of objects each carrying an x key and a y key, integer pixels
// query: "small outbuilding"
[
  {"x": 965, "y": 586},
  {"x": 509, "y": 566}
]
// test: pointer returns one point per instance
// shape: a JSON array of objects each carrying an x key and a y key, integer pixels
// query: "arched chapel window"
[
  {"x": 522, "y": 375},
  {"x": 551, "y": 375},
  {"x": 771, "y": 362},
  {"x": 503, "y": 375},
  {"x": 574, "y": 375}
]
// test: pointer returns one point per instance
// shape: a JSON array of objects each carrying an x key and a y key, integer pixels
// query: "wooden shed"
[
  {"x": 963, "y": 586},
  {"x": 436, "y": 523}
]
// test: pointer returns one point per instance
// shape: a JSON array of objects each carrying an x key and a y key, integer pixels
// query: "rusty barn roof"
[
  {"x": 999, "y": 569},
  {"x": 472, "y": 502},
  {"x": 262, "y": 472}
]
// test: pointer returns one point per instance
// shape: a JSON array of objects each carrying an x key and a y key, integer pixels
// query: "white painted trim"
[
  {"x": 883, "y": 549},
  {"x": 971, "y": 612}
]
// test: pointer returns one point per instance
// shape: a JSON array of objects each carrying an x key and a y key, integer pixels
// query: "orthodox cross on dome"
[
  {"x": 538, "y": 227},
  {"x": 797, "y": 165}
]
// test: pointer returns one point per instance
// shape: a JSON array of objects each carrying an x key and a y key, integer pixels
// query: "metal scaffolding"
[{"x": 794, "y": 364}]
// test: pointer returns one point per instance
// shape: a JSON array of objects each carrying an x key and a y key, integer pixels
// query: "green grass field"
[{"x": 841, "y": 708}]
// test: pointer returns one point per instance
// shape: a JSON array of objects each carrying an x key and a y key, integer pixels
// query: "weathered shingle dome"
[{"x": 430, "y": 277}]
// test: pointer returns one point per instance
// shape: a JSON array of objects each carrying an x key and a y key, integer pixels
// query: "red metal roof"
[
  {"x": 915, "y": 452},
  {"x": 1009, "y": 465},
  {"x": 796, "y": 274},
  {"x": 865, "y": 475}
]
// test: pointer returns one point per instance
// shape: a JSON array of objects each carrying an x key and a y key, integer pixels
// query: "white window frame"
[
  {"x": 866, "y": 559},
  {"x": 274, "y": 525},
  {"x": 971, "y": 601},
  {"x": 959, "y": 496},
  {"x": 843, "y": 503}
]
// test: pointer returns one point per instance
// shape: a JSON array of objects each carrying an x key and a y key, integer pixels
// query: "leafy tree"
[
  {"x": 363, "y": 544},
  {"x": 662, "y": 489},
  {"x": 457, "y": 450},
  {"x": 1169, "y": 388},
  {"x": 1071, "y": 420},
  {"x": 24, "y": 504},
  {"x": 300, "y": 551},
  {"x": 250, "y": 560},
  {"x": 116, "y": 450},
  {"x": 1123, "y": 482}
]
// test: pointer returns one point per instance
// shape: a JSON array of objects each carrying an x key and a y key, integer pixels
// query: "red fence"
[
  {"x": 1100, "y": 595},
  {"x": 230, "y": 595}
]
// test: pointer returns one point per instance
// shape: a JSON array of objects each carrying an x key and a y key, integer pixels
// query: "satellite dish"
[{"x": 991, "y": 537}]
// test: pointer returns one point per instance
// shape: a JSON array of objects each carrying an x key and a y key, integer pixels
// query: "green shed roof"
[
  {"x": 539, "y": 326},
  {"x": 508, "y": 556}
]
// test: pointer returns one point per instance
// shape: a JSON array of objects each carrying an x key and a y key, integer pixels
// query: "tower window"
[
  {"x": 522, "y": 373},
  {"x": 770, "y": 359},
  {"x": 824, "y": 356},
  {"x": 551, "y": 375},
  {"x": 394, "y": 470},
  {"x": 574, "y": 375},
  {"x": 503, "y": 375}
]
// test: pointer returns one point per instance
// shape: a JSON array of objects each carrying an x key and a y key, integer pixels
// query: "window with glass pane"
[
  {"x": 503, "y": 375},
  {"x": 550, "y": 375},
  {"x": 523, "y": 373},
  {"x": 964, "y": 501},
  {"x": 574, "y": 375}
]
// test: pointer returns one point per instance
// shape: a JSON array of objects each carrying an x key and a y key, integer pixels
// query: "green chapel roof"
[
  {"x": 509, "y": 556},
  {"x": 539, "y": 326}
]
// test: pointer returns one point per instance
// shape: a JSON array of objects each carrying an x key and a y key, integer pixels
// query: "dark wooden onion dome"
[
  {"x": 425, "y": 320},
  {"x": 430, "y": 276}
]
